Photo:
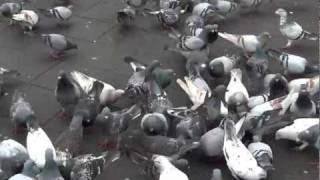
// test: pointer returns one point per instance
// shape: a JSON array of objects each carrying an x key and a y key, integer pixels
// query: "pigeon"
[
  {"x": 298, "y": 130},
  {"x": 236, "y": 93},
  {"x": 167, "y": 17},
  {"x": 224, "y": 7},
  {"x": 20, "y": 111},
  {"x": 190, "y": 125},
  {"x": 67, "y": 92},
  {"x": 204, "y": 10},
  {"x": 29, "y": 171},
  {"x": 221, "y": 66},
  {"x": 126, "y": 16},
  {"x": 208, "y": 33},
  {"x": 50, "y": 171},
  {"x": 211, "y": 142},
  {"x": 312, "y": 84},
  {"x": 136, "y": 83},
  {"x": 88, "y": 106},
  {"x": 216, "y": 174},
  {"x": 70, "y": 139},
  {"x": 180, "y": 6},
  {"x": 195, "y": 87},
  {"x": 276, "y": 85},
  {"x": 299, "y": 104},
  {"x": 38, "y": 143},
  {"x": 167, "y": 170},
  {"x": 249, "y": 43},
  {"x": 61, "y": 13},
  {"x": 8, "y": 9},
  {"x": 114, "y": 123},
  {"x": 293, "y": 64},
  {"x": 27, "y": 19},
  {"x": 263, "y": 154},
  {"x": 108, "y": 95},
  {"x": 250, "y": 3},
  {"x": 137, "y": 141},
  {"x": 89, "y": 166},
  {"x": 309, "y": 136},
  {"x": 58, "y": 44},
  {"x": 136, "y": 3},
  {"x": 258, "y": 63},
  {"x": 154, "y": 124},
  {"x": 292, "y": 30},
  {"x": 271, "y": 105},
  {"x": 194, "y": 22},
  {"x": 12, "y": 157},
  {"x": 239, "y": 160},
  {"x": 216, "y": 107}
]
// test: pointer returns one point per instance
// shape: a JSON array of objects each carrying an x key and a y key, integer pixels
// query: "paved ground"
[{"x": 102, "y": 45}]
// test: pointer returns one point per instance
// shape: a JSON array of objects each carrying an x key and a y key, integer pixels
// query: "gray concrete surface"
[{"x": 102, "y": 44}]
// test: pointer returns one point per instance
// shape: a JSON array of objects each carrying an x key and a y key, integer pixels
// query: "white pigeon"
[
  {"x": 312, "y": 84},
  {"x": 248, "y": 42},
  {"x": 37, "y": 144},
  {"x": 292, "y": 131},
  {"x": 196, "y": 94},
  {"x": 272, "y": 105},
  {"x": 236, "y": 92},
  {"x": 292, "y": 30},
  {"x": 108, "y": 95},
  {"x": 239, "y": 160},
  {"x": 167, "y": 170},
  {"x": 27, "y": 19},
  {"x": 293, "y": 64}
]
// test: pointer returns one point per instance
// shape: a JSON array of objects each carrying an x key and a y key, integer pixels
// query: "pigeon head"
[
  {"x": 154, "y": 124},
  {"x": 126, "y": 16},
  {"x": 64, "y": 80},
  {"x": 265, "y": 36},
  {"x": 216, "y": 68},
  {"x": 278, "y": 86},
  {"x": 229, "y": 128},
  {"x": 30, "y": 168},
  {"x": 49, "y": 156},
  {"x": 281, "y": 12}
]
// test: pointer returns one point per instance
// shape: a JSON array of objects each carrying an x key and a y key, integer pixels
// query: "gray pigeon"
[
  {"x": 61, "y": 13},
  {"x": 10, "y": 8},
  {"x": 58, "y": 44},
  {"x": 12, "y": 157},
  {"x": 67, "y": 93},
  {"x": 29, "y": 171},
  {"x": 114, "y": 123},
  {"x": 204, "y": 10},
  {"x": 211, "y": 143},
  {"x": 216, "y": 107},
  {"x": 221, "y": 66},
  {"x": 190, "y": 126},
  {"x": 293, "y": 64},
  {"x": 216, "y": 174},
  {"x": 70, "y": 139},
  {"x": 180, "y": 6},
  {"x": 135, "y": 86},
  {"x": 126, "y": 16},
  {"x": 188, "y": 43},
  {"x": 137, "y": 141},
  {"x": 154, "y": 124},
  {"x": 258, "y": 63},
  {"x": 167, "y": 17},
  {"x": 262, "y": 153},
  {"x": 292, "y": 30},
  {"x": 20, "y": 111},
  {"x": 50, "y": 170}
]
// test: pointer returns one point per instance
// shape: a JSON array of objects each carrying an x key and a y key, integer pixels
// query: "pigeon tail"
[
  {"x": 71, "y": 45},
  {"x": 230, "y": 37},
  {"x": 134, "y": 63},
  {"x": 310, "y": 36},
  {"x": 311, "y": 69}
]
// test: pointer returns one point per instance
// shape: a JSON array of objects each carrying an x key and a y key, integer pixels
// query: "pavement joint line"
[{"x": 45, "y": 71}]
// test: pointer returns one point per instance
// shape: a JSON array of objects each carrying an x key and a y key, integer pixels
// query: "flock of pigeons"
[{"x": 235, "y": 119}]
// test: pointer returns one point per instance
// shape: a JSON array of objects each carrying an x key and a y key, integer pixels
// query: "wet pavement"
[{"x": 102, "y": 46}]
